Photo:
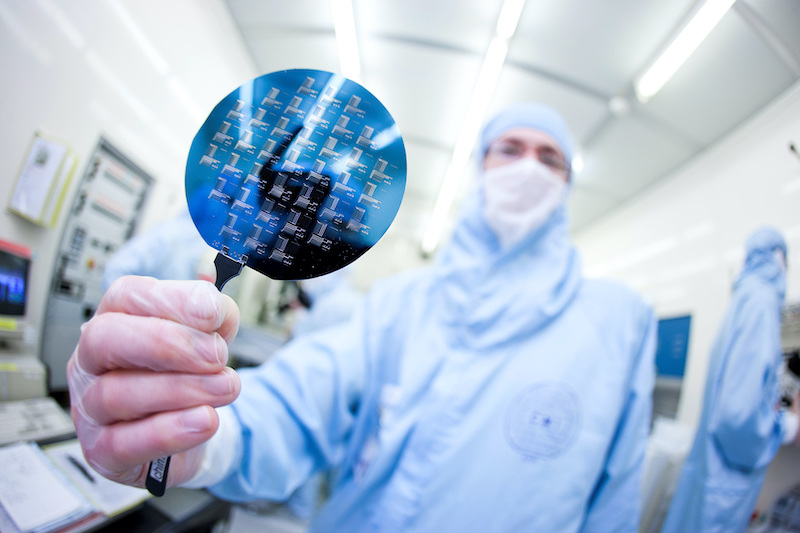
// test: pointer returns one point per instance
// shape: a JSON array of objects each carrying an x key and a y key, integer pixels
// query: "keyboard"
[{"x": 34, "y": 419}]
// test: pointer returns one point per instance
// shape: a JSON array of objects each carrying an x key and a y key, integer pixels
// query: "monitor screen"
[
  {"x": 673, "y": 346},
  {"x": 15, "y": 262}
]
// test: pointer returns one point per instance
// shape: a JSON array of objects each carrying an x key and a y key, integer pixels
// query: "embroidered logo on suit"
[{"x": 543, "y": 420}]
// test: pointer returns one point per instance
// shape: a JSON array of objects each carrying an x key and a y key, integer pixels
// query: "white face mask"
[{"x": 519, "y": 197}]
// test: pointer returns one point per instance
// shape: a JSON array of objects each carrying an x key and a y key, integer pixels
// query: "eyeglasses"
[{"x": 511, "y": 151}]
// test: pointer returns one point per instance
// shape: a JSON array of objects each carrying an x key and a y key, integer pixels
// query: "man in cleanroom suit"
[
  {"x": 496, "y": 391},
  {"x": 741, "y": 427}
]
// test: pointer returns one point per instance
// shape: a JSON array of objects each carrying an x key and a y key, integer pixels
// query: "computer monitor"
[{"x": 15, "y": 265}]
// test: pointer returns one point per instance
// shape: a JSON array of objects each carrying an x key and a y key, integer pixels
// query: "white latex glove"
[{"x": 147, "y": 373}]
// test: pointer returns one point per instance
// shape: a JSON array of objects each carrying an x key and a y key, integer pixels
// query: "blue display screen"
[
  {"x": 673, "y": 345},
  {"x": 296, "y": 173},
  {"x": 13, "y": 280}
]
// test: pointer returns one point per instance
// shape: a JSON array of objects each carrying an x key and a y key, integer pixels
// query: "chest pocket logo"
[{"x": 543, "y": 420}]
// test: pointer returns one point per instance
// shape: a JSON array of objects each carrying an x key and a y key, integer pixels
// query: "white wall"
[
  {"x": 143, "y": 73},
  {"x": 681, "y": 244}
]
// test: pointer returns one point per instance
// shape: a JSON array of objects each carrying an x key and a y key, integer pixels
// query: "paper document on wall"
[
  {"x": 42, "y": 181},
  {"x": 33, "y": 494}
]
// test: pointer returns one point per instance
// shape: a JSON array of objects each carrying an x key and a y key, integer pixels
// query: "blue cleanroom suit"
[
  {"x": 333, "y": 300},
  {"x": 497, "y": 391},
  {"x": 741, "y": 429}
]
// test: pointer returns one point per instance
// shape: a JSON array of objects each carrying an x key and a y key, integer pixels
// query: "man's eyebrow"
[{"x": 552, "y": 149}]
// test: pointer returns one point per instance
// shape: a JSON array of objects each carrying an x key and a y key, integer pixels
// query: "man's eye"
[
  {"x": 509, "y": 149},
  {"x": 553, "y": 162}
]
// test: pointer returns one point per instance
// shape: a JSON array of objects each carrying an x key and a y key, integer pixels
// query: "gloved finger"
[
  {"x": 198, "y": 304},
  {"x": 124, "y": 395},
  {"x": 230, "y": 325},
  {"x": 122, "y": 451},
  {"x": 111, "y": 341},
  {"x": 167, "y": 347}
]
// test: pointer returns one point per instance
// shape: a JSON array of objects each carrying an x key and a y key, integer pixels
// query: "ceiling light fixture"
[
  {"x": 681, "y": 48},
  {"x": 345, "y": 27},
  {"x": 473, "y": 119},
  {"x": 619, "y": 106},
  {"x": 577, "y": 164}
]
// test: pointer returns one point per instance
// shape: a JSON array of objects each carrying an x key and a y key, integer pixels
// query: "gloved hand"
[{"x": 147, "y": 372}]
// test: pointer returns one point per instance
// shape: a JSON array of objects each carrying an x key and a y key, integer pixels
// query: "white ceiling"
[{"x": 421, "y": 58}]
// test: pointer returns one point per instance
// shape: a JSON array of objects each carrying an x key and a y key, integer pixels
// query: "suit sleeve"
[
  {"x": 296, "y": 413},
  {"x": 616, "y": 502}
]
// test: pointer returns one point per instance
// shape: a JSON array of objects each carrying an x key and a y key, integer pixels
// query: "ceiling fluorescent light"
[
  {"x": 473, "y": 120},
  {"x": 345, "y": 28},
  {"x": 509, "y": 18},
  {"x": 681, "y": 48},
  {"x": 577, "y": 164},
  {"x": 470, "y": 128}
]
